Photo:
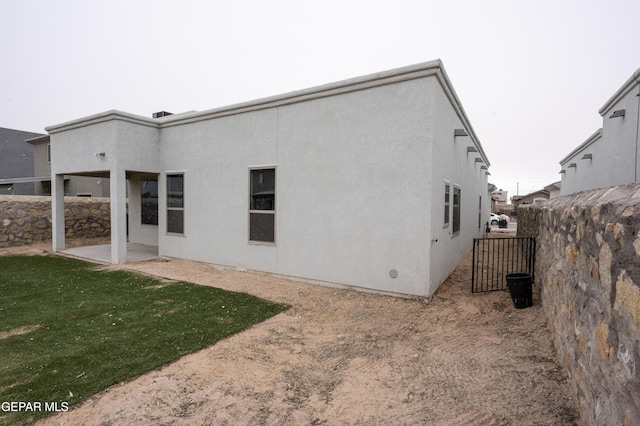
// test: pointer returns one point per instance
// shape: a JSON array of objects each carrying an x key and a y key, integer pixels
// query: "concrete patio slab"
[{"x": 102, "y": 253}]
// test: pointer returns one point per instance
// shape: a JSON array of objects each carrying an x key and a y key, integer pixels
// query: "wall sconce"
[
  {"x": 618, "y": 113},
  {"x": 487, "y": 173},
  {"x": 483, "y": 167},
  {"x": 471, "y": 149},
  {"x": 478, "y": 160},
  {"x": 460, "y": 132},
  {"x": 587, "y": 157},
  {"x": 562, "y": 172},
  {"x": 574, "y": 165}
]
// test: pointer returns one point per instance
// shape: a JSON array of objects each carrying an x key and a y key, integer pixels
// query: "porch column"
[
  {"x": 57, "y": 213},
  {"x": 118, "y": 185}
]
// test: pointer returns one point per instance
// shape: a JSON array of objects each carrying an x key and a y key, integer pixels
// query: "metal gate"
[{"x": 494, "y": 258}]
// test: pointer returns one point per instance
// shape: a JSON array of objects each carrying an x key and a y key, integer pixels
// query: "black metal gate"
[{"x": 494, "y": 258}]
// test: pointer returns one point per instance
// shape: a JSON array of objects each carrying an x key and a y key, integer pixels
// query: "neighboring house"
[
  {"x": 530, "y": 198},
  {"x": 500, "y": 197},
  {"x": 554, "y": 189},
  {"x": 376, "y": 182},
  {"x": 76, "y": 186},
  {"x": 16, "y": 162},
  {"x": 610, "y": 156}
]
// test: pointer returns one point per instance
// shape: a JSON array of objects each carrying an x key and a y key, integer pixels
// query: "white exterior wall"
[
  {"x": 453, "y": 165},
  {"x": 360, "y": 170},
  {"x": 614, "y": 148},
  {"x": 214, "y": 156},
  {"x": 128, "y": 143},
  {"x": 352, "y": 188}
]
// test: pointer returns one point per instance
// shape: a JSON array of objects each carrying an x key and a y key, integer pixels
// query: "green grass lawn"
[{"x": 69, "y": 329}]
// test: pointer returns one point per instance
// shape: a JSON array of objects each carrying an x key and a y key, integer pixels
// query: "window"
[
  {"x": 48, "y": 153},
  {"x": 479, "y": 211},
  {"x": 175, "y": 203},
  {"x": 456, "y": 210},
  {"x": 262, "y": 205},
  {"x": 149, "y": 202},
  {"x": 447, "y": 188}
]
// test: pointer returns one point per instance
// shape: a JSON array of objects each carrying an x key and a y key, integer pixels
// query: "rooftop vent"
[{"x": 161, "y": 114}]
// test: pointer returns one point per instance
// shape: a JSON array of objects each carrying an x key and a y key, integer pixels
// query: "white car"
[{"x": 494, "y": 219}]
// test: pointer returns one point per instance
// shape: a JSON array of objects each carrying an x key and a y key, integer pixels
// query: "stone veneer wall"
[
  {"x": 588, "y": 267},
  {"x": 27, "y": 219}
]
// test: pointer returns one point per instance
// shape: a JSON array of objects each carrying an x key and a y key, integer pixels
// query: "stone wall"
[
  {"x": 27, "y": 219},
  {"x": 588, "y": 267}
]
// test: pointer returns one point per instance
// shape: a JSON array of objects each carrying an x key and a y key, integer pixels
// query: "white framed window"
[
  {"x": 457, "y": 194},
  {"x": 262, "y": 204},
  {"x": 447, "y": 195},
  {"x": 175, "y": 203}
]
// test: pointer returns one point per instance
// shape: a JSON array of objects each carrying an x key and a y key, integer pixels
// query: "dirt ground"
[{"x": 344, "y": 357}]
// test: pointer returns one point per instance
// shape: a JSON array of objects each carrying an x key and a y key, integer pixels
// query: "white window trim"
[
  {"x": 454, "y": 187},
  {"x": 446, "y": 223},
  {"x": 271, "y": 212},
  {"x": 166, "y": 203}
]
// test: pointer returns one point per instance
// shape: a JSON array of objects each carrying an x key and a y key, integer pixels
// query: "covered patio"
[{"x": 124, "y": 148}]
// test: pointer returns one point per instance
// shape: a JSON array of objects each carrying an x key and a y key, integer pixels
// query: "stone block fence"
[
  {"x": 27, "y": 219},
  {"x": 588, "y": 269}
]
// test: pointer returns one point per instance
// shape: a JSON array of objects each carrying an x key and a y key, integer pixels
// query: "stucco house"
[
  {"x": 16, "y": 162},
  {"x": 377, "y": 182},
  {"x": 76, "y": 186},
  {"x": 25, "y": 168},
  {"x": 610, "y": 156}
]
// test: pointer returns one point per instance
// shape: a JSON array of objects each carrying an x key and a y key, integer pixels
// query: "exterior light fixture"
[
  {"x": 618, "y": 113},
  {"x": 460, "y": 132},
  {"x": 587, "y": 157},
  {"x": 471, "y": 149},
  {"x": 487, "y": 173},
  {"x": 574, "y": 165},
  {"x": 562, "y": 172},
  {"x": 478, "y": 160},
  {"x": 483, "y": 168}
]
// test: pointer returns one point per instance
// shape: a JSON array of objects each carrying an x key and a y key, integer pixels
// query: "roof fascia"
[
  {"x": 345, "y": 86},
  {"x": 102, "y": 117},
  {"x": 444, "y": 81},
  {"x": 591, "y": 140},
  {"x": 38, "y": 139},
  {"x": 411, "y": 72},
  {"x": 632, "y": 82}
]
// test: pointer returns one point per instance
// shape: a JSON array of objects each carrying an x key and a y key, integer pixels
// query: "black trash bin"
[
  {"x": 502, "y": 223},
  {"x": 520, "y": 288}
]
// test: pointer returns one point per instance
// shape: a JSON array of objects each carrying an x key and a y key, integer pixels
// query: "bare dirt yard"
[{"x": 344, "y": 357}]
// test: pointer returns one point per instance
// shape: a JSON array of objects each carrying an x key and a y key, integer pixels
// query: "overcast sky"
[{"x": 531, "y": 75}]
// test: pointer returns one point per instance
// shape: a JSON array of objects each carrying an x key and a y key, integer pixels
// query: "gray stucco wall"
[
  {"x": 588, "y": 266},
  {"x": 16, "y": 160}
]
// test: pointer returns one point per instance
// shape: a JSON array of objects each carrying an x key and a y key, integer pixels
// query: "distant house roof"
[
  {"x": 542, "y": 193},
  {"x": 553, "y": 186}
]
